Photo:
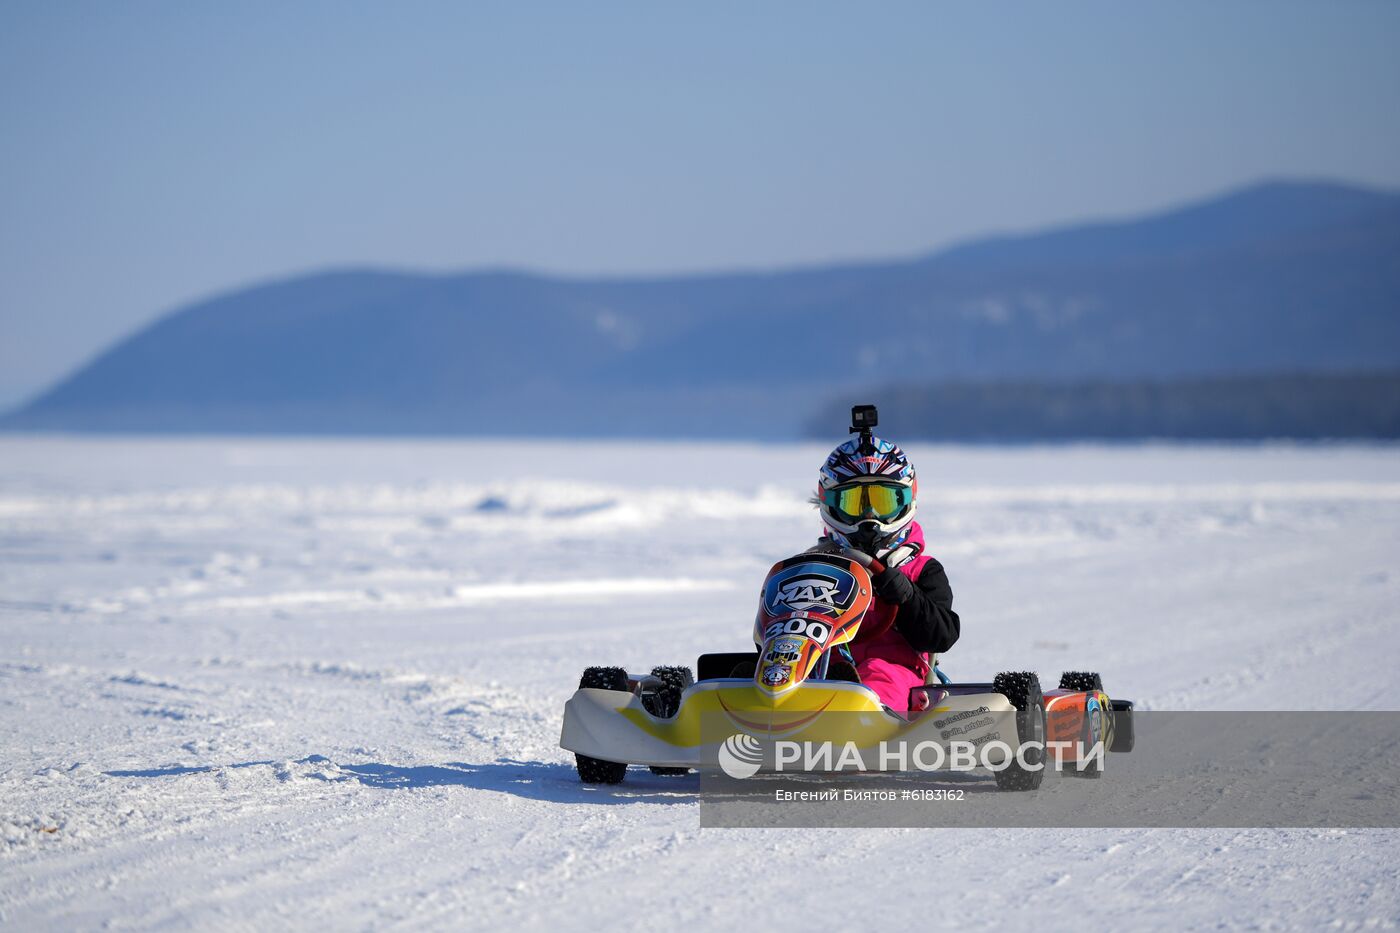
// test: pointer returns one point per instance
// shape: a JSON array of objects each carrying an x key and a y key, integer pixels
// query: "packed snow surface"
[{"x": 284, "y": 682}]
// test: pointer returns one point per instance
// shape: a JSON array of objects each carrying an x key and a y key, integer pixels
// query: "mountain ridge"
[{"x": 1282, "y": 276}]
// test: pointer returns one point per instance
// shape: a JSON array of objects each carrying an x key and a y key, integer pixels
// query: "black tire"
[
  {"x": 666, "y": 703},
  {"x": 595, "y": 770},
  {"x": 1023, "y": 690},
  {"x": 603, "y": 678},
  {"x": 1081, "y": 681},
  {"x": 1123, "y": 735},
  {"x": 1094, "y": 769}
]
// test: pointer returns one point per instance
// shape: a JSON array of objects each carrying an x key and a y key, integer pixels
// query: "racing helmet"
[{"x": 867, "y": 494}]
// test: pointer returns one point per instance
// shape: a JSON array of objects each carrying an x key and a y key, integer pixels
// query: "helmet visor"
[{"x": 881, "y": 501}]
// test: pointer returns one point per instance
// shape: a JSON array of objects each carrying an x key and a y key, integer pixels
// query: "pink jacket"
[{"x": 889, "y": 645}]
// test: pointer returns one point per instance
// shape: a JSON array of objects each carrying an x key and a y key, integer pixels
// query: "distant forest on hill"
[{"x": 1304, "y": 406}]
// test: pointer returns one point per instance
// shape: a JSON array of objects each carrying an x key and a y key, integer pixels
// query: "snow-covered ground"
[{"x": 270, "y": 683}]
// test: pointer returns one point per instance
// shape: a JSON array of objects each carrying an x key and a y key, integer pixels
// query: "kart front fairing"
[{"x": 613, "y": 725}]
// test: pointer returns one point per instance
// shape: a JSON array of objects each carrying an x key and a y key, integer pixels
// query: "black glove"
[{"x": 893, "y": 586}]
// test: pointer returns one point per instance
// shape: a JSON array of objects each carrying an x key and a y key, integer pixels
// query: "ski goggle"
[{"x": 884, "y": 501}]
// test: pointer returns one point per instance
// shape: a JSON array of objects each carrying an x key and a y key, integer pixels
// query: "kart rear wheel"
[
  {"x": 666, "y": 702},
  {"x": 595, "y": 770},
  {"x": 1123, "y": 738},
  {"x": 1095, "y": 727},
  {"x": 1023, "y": 690},
  {"x": 1081, "y": 681}
]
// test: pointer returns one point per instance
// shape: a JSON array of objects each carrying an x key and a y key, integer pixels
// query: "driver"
[{"x": 867, "y": 495}]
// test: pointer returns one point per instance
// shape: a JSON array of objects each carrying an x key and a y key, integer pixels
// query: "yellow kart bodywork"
[{"x": 612, "y": 725}]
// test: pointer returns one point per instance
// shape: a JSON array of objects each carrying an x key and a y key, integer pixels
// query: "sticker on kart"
[
  {"x": 816, "y": 629},
  {"x": 775, "y": 675},
  {"x": 784, "y": 651},
  {"x": 810, "y": 587}
]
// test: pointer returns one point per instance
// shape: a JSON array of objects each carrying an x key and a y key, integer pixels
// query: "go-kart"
[{"x": 799, "y": 685}]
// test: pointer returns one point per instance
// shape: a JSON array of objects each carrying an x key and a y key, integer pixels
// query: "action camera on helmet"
[{"x": 864, "y": 419}]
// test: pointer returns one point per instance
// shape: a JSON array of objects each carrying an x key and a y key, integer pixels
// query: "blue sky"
[{"x": 153, "y": 153}]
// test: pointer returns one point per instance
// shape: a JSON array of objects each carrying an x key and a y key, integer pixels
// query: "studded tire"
[
  {"x": 596, "y": 770},
  {"x": 1081, "y": 681},
  {"x": 1022, "y": 688},
  {"x": 666, "y": 702}
]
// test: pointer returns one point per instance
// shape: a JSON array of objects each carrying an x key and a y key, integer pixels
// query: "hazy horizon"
[{"x": 159, "y": 154}]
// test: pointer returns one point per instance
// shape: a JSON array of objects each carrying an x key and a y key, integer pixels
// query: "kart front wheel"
[
  {"x": 666, "y": 702},
  {"x": 596, "y": 770},
  {"x": 1023, "y": 690}
]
